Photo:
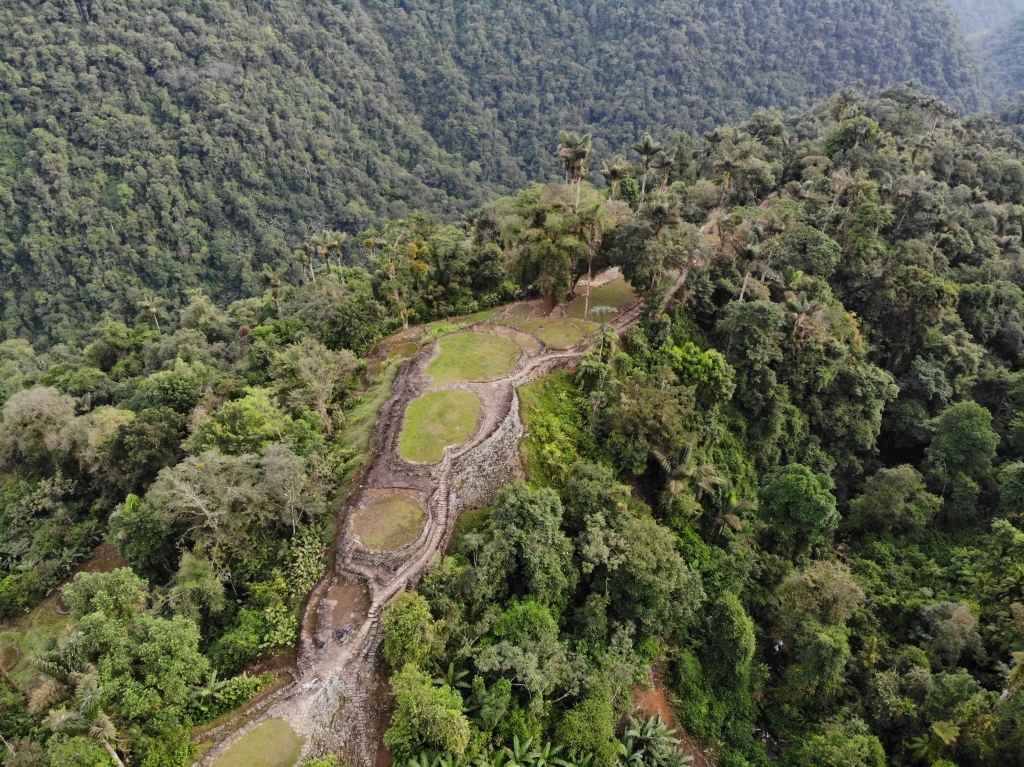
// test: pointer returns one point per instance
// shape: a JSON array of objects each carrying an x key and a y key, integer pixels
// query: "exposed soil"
[
  {"x": 280, "y": 663},
  {"x": 104, "y": 559},
  {"x": 352, "y": 603},
  {"x": 655, "y": 702}
]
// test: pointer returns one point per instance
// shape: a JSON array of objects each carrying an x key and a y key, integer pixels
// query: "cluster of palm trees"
[
  {"x": 646, "y": 743},
  {"x": 576, "y": 150},
  {"x": 72, "y": 695},
  {"x": 326, "y": 247},
  {"x": 726, "y": 509}
]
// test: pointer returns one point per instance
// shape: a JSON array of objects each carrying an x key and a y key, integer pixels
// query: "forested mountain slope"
[
  {"x": 981, "y": 15},
  {"x": 515, "y": 73},
  {"x": 148, "y": 147},
  {"x": 1000, "y": 52},
  {"x": 795, "y": 483}
]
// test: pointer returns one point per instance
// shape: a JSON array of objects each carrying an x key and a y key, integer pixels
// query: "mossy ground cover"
[
  {"x": 435, "y": 420},
  {"x": 388, "y": 523},
  {"x": 361, "y": 418},
  {"x": 270, "y": 744},
  {"x": 472, "y": 357},
  {"x": 618, "y": 293}
]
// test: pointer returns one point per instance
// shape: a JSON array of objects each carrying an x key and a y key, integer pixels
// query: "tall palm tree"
[
  {"x": 151, "y": 304},
  {"x": 665, "y": 164},
  {"x": 305, "y": 254},
  {"x": 593, "y": 221},
  {"x": 273, "y": 281},
  {"x": 705, "y": 477},
  {"x": 575, "y": 151},
  {"x": 730, "y": 512},
  {"x": 648, "y": 149},
  {"x": 808, "y": 315}
]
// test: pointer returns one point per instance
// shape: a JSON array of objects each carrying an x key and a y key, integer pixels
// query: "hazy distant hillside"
[
  {"x": 1001, "y": 54},
  {"x": 146, "y": 147},
  {"x": 981, "y": 15}
]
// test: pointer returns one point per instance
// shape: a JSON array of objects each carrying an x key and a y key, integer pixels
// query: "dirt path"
[
  {"x": 337, "y": 701},
  {"x": 653, "y": 701}
]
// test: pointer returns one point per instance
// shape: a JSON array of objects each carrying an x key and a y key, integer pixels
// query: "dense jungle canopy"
[
  {"x": 796, "y": 488},
  {"x": 790, "y": 492},
  {"x": 149, "y": 147}
]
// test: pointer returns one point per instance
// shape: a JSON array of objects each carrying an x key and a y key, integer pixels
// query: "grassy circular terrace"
[
  {"x": 472, "y": 357},
  {"x": 272, "y": 743},
  {"x": 558, "y": 334},
  {"x": 388, "y": 523},
  {"x": 436, "y": 420}
]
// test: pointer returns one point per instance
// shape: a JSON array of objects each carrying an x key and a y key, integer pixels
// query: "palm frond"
[
  {"x": 62, "y": 720},
  {"x": 49, "y": 694}
]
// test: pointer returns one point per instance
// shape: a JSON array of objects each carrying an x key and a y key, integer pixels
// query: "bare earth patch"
[
  {"x": 352, "y": 602},
  {"x": 655, "y": 702},
  {"x": 269, "y": 744},
  {"x": 388, "y": 523},
  {"x": 436, "y": 420},
  {"x": 472, "y": 357}
]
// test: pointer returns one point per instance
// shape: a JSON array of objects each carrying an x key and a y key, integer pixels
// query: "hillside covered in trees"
[
  {"x": 1000, "y": 51},
  {"x": 795, "y": 484},
  {"x": 147, "y": 148}
]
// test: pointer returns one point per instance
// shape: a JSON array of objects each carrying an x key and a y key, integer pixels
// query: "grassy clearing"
[
  {"x": 435, "y": 420},
  {"x": 270, "y": 744},
  {"x": 617, "y": 293},
  {"x": 470, "y": 318},
  {"x": 23, "y": 637},
  {"x": 388, "y": 523},
  {"x": 472, "y": 357},
  {"x": 559, "y": 334},
  {"x": 360, "y": 419},
  {"x": 509, "y": 331}
]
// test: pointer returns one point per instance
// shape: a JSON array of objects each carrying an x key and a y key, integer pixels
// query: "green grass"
[
  {"x": 472, "y": 357},
  {"x": 270, "y": 744},
  {"x": 435, "y": 420},
  {"x": 361, "y": 417},
  {"x": 28, "y": 636},
  {"x": 388, "y": 523},
  {"x": 559, "y": 334},
  {"x": 617, "y": 293},
  {"x": 470, "y": 318}
]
